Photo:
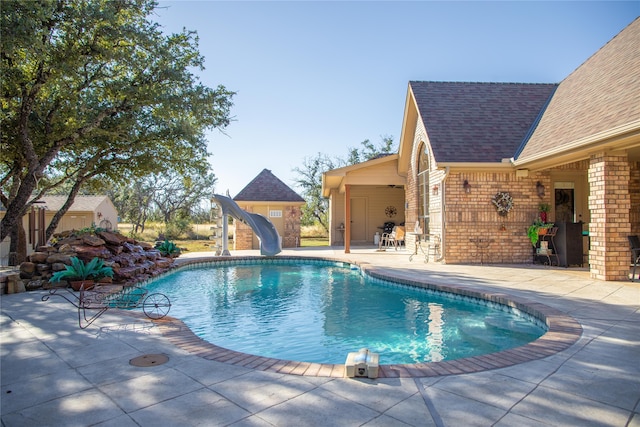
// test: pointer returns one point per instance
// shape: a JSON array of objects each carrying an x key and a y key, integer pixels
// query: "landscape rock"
[
  {"x": 87, "y": 253},
  {"x": 92, "y": 240},
  {"x": 64, "y": 258},
  {"x": 65, "y": 247},
  {"x": 58, "y": 266},
  {"x": 131, "y": 247},
  {"x": 27, "y": 267},
  {"x": 164, "y": 263},
  {"x": 38, "y": 257},
  {"x": 116, "y": 250},
  {"x": 112, "y": 238},
  {"x": 132, "y": 261},
  {"x": 43, "y": 267},
  {"x": 33, "y": 285},
  {"x": 146, "y": 246},
  {"x": 14, "y": 284}
]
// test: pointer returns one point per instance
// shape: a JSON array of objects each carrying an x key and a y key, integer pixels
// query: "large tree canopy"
[{"x": 94, "y": 89}]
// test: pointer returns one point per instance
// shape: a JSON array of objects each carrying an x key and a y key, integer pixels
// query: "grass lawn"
[
  {"x": 207, "y": 245},
  {"x": 306, "y": 242},
  {"x": 200, "y": 244}
]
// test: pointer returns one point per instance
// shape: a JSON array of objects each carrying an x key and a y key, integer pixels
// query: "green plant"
[
  {"x": 78, "y": 270},
  {"x": 544, "y": 207},
  {"x": 533, "y": 232},
  {"x": 92, "y": 229},
  {"x": 168, "y": 248}
]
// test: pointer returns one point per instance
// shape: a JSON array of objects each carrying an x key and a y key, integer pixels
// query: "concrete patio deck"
[{"x": 53, "y": 373}]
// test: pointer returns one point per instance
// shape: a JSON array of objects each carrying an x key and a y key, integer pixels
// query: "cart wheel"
[{"x": 156, "y": 306}]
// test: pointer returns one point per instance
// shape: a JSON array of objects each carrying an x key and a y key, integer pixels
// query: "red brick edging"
[{"x": 563, "y": 331}]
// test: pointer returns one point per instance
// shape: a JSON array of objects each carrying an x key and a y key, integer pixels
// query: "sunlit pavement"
[{"x": 53, "y": 373}]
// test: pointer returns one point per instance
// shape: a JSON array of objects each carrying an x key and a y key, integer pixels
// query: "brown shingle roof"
[
  {"x": 80, "y": 203},
  {"x": 266, "y": 187},
  {"x": 478, "y": 122},
  {"x": 600, "y": 95}
]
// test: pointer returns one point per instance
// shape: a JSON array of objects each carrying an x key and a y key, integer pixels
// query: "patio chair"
[
  {"x": 634, "y": 245},
  {"x": 395, "y": 238}
]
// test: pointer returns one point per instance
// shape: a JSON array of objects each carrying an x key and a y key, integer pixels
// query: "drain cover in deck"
[{"x": 149, "y": 360}]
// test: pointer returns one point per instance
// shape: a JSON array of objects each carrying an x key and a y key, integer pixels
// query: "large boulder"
[
  {"x": 38, "y": 257},
  {"x": 87, "y": 252},
  {"x": 164, "y": 263},
  {"x": 64, "y": 258},
  {"x": 92, "y": 240},
  {"x": 27, "y": 270},
  {"x": 112, "y": 238}
]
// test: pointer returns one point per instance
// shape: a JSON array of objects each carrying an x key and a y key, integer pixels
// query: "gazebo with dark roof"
[
  {"x": 266, "y": 187},
  {"x": 267, "y": 195}
]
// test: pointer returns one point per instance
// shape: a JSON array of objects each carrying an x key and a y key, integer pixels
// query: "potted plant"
[
  {"x": 168, "y": 248},
  {"x": 544, "y": 209},
  {"x": 537, "y": 229},
  {"x": 84, "y": 274}
]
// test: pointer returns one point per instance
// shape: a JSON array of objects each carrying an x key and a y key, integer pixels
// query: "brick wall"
[
  {"x": 472, "y": 216},
  {"x": 475, "y": 232},
  {"x": 244, "y": 235},
  {"x": 291, "y": 238},
  {"x": 609, "y": 203}
]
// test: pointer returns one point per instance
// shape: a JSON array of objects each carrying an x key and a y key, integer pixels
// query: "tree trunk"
[
  {"x": 63, "y": 210},
  {"x": 18, "y": 245},
  {"x": 17, "y": 207}
]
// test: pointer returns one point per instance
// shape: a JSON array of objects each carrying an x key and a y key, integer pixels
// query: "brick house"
[
  {"x": 574, "y": 145},
  {"x": 269, "y": 196}
]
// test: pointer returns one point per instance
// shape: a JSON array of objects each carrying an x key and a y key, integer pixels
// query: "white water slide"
[{"x": 270, "y": 243}]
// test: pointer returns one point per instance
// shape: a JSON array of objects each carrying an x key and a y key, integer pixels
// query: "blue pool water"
[{"x": 320, "y": 311}]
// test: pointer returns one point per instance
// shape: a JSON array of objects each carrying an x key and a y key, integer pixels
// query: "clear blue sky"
[{"x": 320, "y": 77}]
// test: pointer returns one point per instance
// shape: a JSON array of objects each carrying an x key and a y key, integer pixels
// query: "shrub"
[
  {"x": 168, "y": 248},
  {"x": 78, "y": 270}
]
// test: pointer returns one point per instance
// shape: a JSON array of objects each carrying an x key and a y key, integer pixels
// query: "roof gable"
[
  {"x": 478, "y": 122},
  {"x": 266, "y": 187},
  {"x": 600, "y": 96}
]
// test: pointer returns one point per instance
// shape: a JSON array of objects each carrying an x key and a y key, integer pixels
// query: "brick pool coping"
[{"x": 563, "y": 331}]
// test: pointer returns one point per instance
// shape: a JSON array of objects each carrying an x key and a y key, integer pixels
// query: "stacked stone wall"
[{"x": 132, "y": 261}]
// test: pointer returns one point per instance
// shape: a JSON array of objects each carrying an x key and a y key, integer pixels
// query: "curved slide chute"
[{"x": 270, "y": 243}]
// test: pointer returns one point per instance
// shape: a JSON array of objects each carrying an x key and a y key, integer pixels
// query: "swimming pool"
[{"x": 318, "y": 311}]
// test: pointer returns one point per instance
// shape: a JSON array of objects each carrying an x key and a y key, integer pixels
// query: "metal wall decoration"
[{"x": 391, "y": 211}]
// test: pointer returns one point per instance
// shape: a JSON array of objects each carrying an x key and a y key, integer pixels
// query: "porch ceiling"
[{"x": 381, "y": 171}]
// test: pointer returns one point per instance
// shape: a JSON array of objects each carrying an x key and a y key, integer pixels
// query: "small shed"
[
  {"x": 85, "y": 211},
  {"x": 269, "y": 196}
]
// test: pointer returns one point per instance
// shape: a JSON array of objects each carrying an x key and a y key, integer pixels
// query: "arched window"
[{"x": 423, "y": 188}]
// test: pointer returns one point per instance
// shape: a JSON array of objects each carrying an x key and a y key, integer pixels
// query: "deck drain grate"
[{"x": 149, "y": 360}]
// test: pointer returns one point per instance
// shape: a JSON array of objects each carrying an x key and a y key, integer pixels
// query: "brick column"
[
  {"x": 243, "y": 235},
  {"x": 609, "y": 203},
  {"x": 292, "y": 232}
]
